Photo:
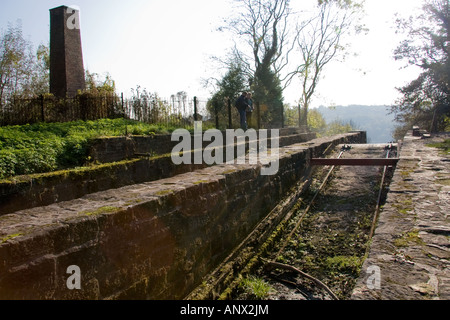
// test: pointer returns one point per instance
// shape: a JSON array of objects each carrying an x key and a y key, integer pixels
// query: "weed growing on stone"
[{"x": 255, "y": 288}]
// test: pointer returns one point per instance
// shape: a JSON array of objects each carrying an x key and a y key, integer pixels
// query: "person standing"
[{"x": 242, "y": 105}]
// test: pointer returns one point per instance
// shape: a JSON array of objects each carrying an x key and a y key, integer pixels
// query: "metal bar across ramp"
[{"x": 355, "y": 162}]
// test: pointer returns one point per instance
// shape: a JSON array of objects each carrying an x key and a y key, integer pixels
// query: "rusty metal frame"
[{"x": 355, "y": 162}]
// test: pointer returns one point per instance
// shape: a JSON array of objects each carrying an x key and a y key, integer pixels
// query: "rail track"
[{"x": 327, "y": 239}]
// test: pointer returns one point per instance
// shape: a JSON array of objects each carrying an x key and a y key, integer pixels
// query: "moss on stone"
[
  {"x": 11, "y": 236},
  {"x": 228, "y": 171},
  {"x": 164, "y": 192},
  {"x": 99, "y": 211},
  {"x": 408, "y": 238},
  {"x": 200, "y": 182}
]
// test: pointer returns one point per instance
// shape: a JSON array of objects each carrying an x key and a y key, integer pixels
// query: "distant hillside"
[{"x": 376, "y": 120}]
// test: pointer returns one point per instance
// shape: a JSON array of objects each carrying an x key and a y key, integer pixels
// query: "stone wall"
[
  {"x": 26, "y": 192},
  {"x": 124, "y": 164},
  {"x": 106, "y": 150},
  {"x": 155, "y": 240}
]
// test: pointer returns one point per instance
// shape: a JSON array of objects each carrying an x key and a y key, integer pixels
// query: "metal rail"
[
  {"x": 355, "y": 162},
  {"x": 286, "y": 241},
  {"x": 309, "y": 206},
  {"x": 380, "y": 193}
]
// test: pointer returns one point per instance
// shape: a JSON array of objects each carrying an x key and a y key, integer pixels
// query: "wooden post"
[
  {"x": 230, "y": 122},
  {"x": 42, "y": 108},
  {"x": 123, "y": 104},
  {"x": 258, "y": 114},
  {"x": 216, "y": 114}
]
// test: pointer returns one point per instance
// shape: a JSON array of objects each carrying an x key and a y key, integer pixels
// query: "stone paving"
[{"x": 410, "y": 251}]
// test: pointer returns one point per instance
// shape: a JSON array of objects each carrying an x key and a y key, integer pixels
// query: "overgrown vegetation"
[
  {"x": 331, "y": 244},
  {"x": 425, "y": 100},
  {"x": 46, "y": 147}
]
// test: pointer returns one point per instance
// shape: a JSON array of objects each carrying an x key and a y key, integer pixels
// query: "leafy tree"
[
  {"x": 229, "y": 88},
  {"x": 316, "y": 122},
  {"x": 24, "y": 73},
  {"x": 425, "y": 100},
  {"x": 96, "y": 85},
  {"x": 290, "y": 116},
  {"x": 269, "y": 94},
  {"x": 40, "y": 81},
  {"x": 16, "y": 63}
]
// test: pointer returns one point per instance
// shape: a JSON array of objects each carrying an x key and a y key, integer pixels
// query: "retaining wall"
[
  {"x": 121, "y": 166},
  {"x": 155, "y": 240},
  {"x": 113, "y": 149}
]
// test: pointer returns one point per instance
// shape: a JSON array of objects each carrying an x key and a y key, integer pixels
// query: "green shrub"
[
  {"x": 8, "y": 162},
  {"x": 46, "y": 147}
]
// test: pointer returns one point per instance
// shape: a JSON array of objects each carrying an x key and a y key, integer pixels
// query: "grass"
[
  {"x": 444, "y": 146},
  {"x": 255, "y": 288},
  {"x": 48, "y": 147}
]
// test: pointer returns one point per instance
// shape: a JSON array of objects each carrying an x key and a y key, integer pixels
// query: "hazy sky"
[{"x": 165, "y": 45}]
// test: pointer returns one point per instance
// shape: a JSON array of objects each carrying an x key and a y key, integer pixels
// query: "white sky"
[{"x": 164, "y": 46}]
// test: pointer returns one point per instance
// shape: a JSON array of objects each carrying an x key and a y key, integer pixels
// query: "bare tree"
[
  {"x": 263, "y": 27},
  {"x": 273, "y": 48},
  {"x": 319, "y": 41},
  {"x": 262, "y": 48}
]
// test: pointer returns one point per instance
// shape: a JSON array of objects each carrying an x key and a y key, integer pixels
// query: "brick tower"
[{"x": 66, "y": 56}]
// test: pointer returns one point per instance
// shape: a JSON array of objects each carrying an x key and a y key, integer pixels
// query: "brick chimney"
[{"x": 66, "y": 56}]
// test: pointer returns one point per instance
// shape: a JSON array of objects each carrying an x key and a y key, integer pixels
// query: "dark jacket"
[{"x": 241, "y": 103}]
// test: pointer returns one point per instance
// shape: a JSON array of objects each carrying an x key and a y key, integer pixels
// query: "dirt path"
[{"x": 331, "y": 243}]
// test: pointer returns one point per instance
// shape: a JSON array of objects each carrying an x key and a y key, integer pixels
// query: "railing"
[
  {"x": 51, "y": 109},
  {"x": 93, "y": 107},
  {"x": 149, "y": 108}
]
